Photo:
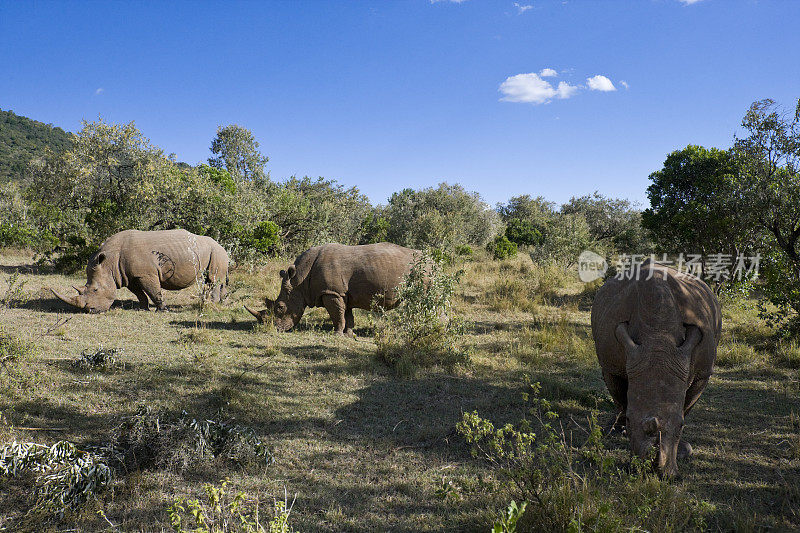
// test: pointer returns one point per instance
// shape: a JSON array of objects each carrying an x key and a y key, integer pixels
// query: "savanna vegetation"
[{"x": 476, "y": 404}]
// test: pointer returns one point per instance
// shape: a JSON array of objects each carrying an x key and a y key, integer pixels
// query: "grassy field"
[{"x": 363, "y": 449}]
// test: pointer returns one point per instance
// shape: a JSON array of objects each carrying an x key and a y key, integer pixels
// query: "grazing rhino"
[
  {"x": 148, "y": 261},
  {"x": 656, "y": 339},
  {"x": 339, "y": 278}
]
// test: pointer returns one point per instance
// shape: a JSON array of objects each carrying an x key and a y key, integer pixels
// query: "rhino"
[
  {"x": 656, "y": 337},
  {"x": 147, "y": 262},
  {"x": 339, "y": 278}
]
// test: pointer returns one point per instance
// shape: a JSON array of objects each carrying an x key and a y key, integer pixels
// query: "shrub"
[
  {"x": 150, "y": 439},
  {"x": 66, "y": 477},
  {"x": 442, "y": 218},
  {"x": 523, "y": 232},
  {"x": 12, "y": 348},
  {"x": 420, "y": 332},
  {"x": 569, "y": 487},
  {"x": 220, "y": 511},
  {"x": 464, "y": 250},
  {"x": 266, "y": 237},
  {"x": 502, "y": 248}
]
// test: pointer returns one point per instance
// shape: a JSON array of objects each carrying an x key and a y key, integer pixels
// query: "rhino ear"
[
  {"x": 290, "y": 273},
  {"x": 624, "y": 337},
  {"x": 693, "y": 337},
  {"x": 282, "y": 274},
  {"x": 100, "y": 258}
]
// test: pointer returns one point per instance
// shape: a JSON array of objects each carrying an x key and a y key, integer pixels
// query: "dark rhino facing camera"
[
  {"x": 147, "y": 262},
  {"x": 656, "y": 341},
  {"x": 338, "y": 278}
]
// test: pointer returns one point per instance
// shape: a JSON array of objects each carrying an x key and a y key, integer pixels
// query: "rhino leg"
[
  {"x": 618, "y": 387},
  {"x": 349, "y": 322},
  {"x": 337, "y": 309},
  {"x": 152, "y": 288},
  {"x": 141, "y": 295}
]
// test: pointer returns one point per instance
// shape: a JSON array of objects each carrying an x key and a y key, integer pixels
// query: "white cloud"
[
  {"x": 531, "y": 89},
  {"x": 522, "y": 8},
  {"x": 689, "y": 2},
  {"x": 624, "y": 84},
  {"x": 600, "y": 83},
  {"x": 565, "y": 90},
  {"x": 99, "y": 90},
  {"x": 547, "y": 72}
]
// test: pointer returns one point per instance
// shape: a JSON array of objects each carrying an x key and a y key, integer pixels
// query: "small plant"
[
  {"x": 14, "y": 294},
  {"x": 222, "y": 511},
  {"x": 464, "y": 250},
  {"x": 12, "y": 348},
  {"x": 101, "y": 359},
  {"x": 502, "y": 248},
  {"x": 66, "y": 477},
  {"x": 509, "y": 518},
  {"x": 420, "y": 332}
]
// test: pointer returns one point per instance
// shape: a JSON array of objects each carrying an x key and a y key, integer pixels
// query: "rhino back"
[
  {"x": 357, "y": 273},
  {"x": 619, "y": 301},
  {"x": 174, "y": 256}
]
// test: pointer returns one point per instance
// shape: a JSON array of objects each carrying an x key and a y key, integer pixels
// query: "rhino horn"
[
  {"x": 73, "y": 301},
  {"x": 258, "y": 314},
  {"x": 79, "y": 289}
]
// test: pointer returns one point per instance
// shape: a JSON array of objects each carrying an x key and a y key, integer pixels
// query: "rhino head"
[
  {"x": 100, "y": 290},
  {"x": 658, "y": 377},
  {"x": 287, "y": 309}
]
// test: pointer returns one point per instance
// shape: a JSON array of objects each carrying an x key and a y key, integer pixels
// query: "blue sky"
[{"x": 503, "y": 97}]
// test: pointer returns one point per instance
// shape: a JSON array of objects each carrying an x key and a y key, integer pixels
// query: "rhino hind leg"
[
  {"x": 349, "y": 322},
  {"x": 337, "y": 310}
]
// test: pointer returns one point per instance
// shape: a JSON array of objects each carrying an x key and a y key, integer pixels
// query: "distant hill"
[{"x": 22, "y": 138}]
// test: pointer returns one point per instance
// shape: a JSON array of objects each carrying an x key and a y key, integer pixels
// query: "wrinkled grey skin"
[
  {"x": 656, "y": 341},
  {"x": 338, "y": 278},
  {"x": 147, "y": 262}
]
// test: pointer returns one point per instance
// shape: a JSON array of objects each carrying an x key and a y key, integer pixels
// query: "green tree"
[
  {"x": 96, "y": 188},
  {"x": 612, "y": 221},
  {"x": 694, "y": 207},
  {"x": 235, "y": 149},
  {"x": 442, "y": 218},
  {"x": 768, "y": 192}
]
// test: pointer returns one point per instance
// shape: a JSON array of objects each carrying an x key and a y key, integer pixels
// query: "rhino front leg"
[
  {"x": 349, "y": 322},
  {"x": 692, "y": 395},
  {"x": 152, "y": 288},
  {"x": 618, "y": 387},
  {"x": 337, "y": 309},
  {"x": 141, "y": 295}
]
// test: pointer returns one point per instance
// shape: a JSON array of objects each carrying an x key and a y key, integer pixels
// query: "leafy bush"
[
  {"x": 502, "y": 248},
  {"x": 151, "y": 440},
  {"x": 464, "y": 250},
  {"x": 570, "y": 487},
  {"x": 441, "y": 218},
  {"x": 523, "y": 232},
  {"x": 266, "y": 237},
  {"x": 221, "y": 511},
  {"x": 66, "y": 477},
  {"x": 12, "y": 348},
  {"x": 420, "y": 332}
]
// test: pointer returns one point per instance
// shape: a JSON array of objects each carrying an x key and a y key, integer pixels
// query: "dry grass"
[{"x": 363, "y": 449}]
